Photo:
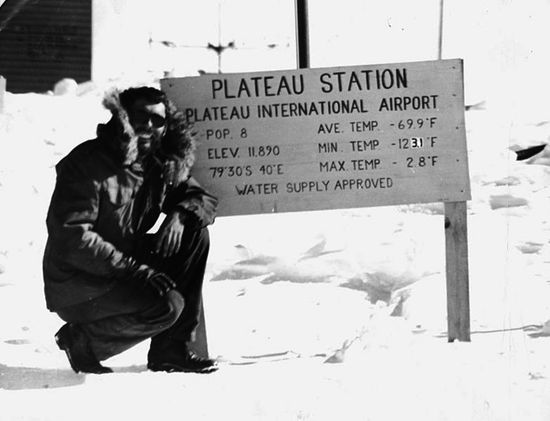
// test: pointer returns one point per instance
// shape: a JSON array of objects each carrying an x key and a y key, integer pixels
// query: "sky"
[{"x": 502, "y": 42}]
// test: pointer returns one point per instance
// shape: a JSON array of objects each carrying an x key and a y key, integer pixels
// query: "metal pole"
[
  {"x": 440, "y": 41},
  {"x": 220, "y": 37},
  {"x": 302, "y": 34}
]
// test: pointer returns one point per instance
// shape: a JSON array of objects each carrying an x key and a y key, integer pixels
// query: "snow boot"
[
  {"x": 71, "y": 340},
  {"x": 176, "y": 357}
]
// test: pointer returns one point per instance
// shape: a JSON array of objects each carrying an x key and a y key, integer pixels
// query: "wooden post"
[
  {"x": 456, "y": 252},
  {"x": 2, "y": 92},
  {"x": 456, "y": 258}
]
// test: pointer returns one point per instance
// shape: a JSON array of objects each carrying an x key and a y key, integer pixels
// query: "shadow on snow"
[
  {"x": 17, "y": 378},
  {"x": 20, "y": 378}
]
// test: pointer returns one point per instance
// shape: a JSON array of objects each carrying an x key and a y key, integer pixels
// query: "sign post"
[
  {"x": 456, "y": 251},
  {"x": 456, "y": 259},
  {"x": 340, "y": 137}
]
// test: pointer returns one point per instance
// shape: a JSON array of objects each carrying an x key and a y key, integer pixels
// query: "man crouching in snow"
[{"x": 112, "y": 283}]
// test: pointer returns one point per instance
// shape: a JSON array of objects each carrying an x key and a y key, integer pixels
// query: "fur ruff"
[{"x": 176, "y": 152}]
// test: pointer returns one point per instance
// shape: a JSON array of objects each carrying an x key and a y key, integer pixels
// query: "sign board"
[{"x": 327, "y": 138}]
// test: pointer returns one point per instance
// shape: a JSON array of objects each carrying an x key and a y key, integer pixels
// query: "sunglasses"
[{"x": 143, "y": 118}]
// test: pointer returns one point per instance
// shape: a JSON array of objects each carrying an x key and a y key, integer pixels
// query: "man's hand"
[
  {"x": 168, "y": 239},
  {"x": 159, "y": 281}
]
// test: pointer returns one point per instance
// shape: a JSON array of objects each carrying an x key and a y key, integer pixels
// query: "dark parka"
[{"x": 105, "y": 201}]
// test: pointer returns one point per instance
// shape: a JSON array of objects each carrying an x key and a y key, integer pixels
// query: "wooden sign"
[{"x": 329, "y": 138}]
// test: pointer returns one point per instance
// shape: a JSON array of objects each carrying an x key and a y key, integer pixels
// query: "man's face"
[{"x": 149, "y": 123}]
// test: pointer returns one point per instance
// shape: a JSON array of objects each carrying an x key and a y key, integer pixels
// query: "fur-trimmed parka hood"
[{"x": 176, "y": 152}]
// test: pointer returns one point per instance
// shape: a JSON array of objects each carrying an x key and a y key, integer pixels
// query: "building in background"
[
  {"x": 137, "y": 41},
  {"x": 44, "y": 41}
]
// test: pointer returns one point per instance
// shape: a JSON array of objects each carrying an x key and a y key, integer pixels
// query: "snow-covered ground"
[{"x": 313, "y": 316}]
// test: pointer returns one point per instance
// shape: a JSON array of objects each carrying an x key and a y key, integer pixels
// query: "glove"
[{"x": 159, "y": 281}]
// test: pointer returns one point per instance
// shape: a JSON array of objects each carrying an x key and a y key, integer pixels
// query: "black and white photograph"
[{"x": 271, "y": 210}]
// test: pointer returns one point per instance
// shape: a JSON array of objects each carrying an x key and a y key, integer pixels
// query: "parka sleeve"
[
  {"x": 197, "y": 204},
  {"x": 71, "y": 218}
]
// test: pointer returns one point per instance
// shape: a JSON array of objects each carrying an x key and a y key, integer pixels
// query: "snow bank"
[{"x": 289, "y": 294}]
